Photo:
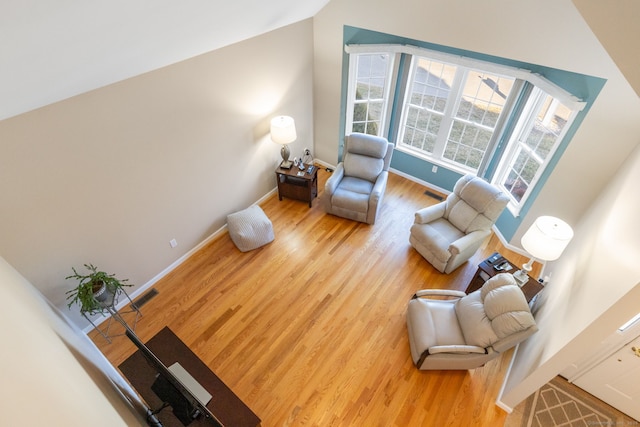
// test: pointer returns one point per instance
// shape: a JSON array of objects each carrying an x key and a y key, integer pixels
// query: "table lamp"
[
  {"x": 545, "y": 240},
  {"x": 283, "y": 131}
]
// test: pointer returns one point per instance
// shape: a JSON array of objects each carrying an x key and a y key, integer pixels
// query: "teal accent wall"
[
  {"x": 582, "y": 86},
  {"x": 421, "y": 169}
]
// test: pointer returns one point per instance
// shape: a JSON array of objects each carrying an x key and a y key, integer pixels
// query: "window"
[
  {"x": 369, "y": 93},
  {"x": 426, "y": 103},
  {"x": 451, "y": 113},
  {"x": 542, "y": 126},
  {"x": 460, "y": 113}
]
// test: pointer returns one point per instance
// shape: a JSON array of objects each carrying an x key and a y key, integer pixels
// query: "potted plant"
[{"x": 95, "y": 291}]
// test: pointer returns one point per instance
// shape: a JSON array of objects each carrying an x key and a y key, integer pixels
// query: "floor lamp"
[{"x": 545, "y": 240}]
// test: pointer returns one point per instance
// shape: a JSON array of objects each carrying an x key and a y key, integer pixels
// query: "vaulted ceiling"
[
  {"x": 50, "y": 51},
  {"x": 616, "y": 26}
]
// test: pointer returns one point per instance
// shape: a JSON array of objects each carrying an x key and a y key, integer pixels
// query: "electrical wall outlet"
[
  {"x": 173, "y": 243},
  {"x": 307, "y": 152},
  {"x": 434, "y": 169}
]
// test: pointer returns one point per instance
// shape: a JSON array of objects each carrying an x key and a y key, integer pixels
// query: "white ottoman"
[{"x": 250, "y": 228}]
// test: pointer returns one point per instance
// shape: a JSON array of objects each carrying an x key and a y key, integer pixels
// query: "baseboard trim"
[
  {"x": 504, "y": 407},
  {"x": 499, "y": 403},
  {"x": 325, "y": 164},
  {"x": 419, "y": 181},
  {"x": 142, "y": 289}
]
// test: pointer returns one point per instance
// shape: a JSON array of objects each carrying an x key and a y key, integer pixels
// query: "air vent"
[
  {"x": 145, "y": 299},
  {"x": 434, "y": 195}
]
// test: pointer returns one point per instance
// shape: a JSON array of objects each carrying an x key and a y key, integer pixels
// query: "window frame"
[
  {"x": 439, "y": 147},
  {"x": 500, "y": 145},
  {"x": 449, "y": 116},
  {"x": 387, "y": 98},
  {"x": 517, "y": 143}
]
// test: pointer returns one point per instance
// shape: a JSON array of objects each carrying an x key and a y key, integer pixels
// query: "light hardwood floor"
[{"x": 310, "y": 329}]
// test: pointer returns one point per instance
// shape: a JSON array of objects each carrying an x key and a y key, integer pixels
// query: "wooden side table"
[
  {"x": 486, "y": 271},
  {"x": 298, "y": 184}
]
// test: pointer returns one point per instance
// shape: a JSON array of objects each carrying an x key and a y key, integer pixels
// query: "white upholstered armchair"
[
  {"x": 469, "y": 330},
  {"x": 449, "y": 233},
  {"x": 356, "y": 187}
]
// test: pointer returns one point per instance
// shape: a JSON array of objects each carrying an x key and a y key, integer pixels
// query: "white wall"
[
  {"x": 111, "y": 176},
  {"x": 595, "y": 288},
  {"x": 50, "y": 373}
]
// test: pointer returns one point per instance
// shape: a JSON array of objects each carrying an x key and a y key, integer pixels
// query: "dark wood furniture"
[
  {"x": 224, "y": 404},
  {"x": 298, "y": 184},
  {"x": 486, "y": 271}
]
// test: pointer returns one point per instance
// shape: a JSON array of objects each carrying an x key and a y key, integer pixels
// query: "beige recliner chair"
[
  {"x": 449, "y": 233},
  {"x": 470, "y": 330},
  {"x": 356, "y": 187}
]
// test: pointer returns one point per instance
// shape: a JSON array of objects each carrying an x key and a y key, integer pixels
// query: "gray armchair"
[
  {"x": 468, "y": 331},
  {"x": 449, "y": 233},
  {"x": 356, "y": 187}
]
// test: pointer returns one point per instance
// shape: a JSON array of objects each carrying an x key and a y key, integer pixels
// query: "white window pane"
[
  {"x": 535, "y": 144},
  {"x": 370, "y": 91},
  {"x": 431, "y": 84},
  {"x": 481, "y": 102},
  {"x": 515, "y": 186}
]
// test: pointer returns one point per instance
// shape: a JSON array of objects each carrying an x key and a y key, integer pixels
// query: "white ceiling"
[
  {"x": 50, "y": 51},
  {"x": 616, "y": 26}
]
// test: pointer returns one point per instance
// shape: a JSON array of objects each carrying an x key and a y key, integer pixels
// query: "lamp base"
[
  {"x": 285, "y": 153},
  {"x": 521, "y": 277},
  {"x": 286, "y": 164}
]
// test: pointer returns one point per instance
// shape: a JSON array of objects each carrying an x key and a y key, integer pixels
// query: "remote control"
[
  {"x": 502, "y": 266},
  {"x": 495, "y": 257}
]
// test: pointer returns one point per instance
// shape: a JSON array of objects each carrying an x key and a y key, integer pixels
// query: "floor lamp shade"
[
  {"x": 547, "y": 238},
  {"x": 283, "y": 131}
]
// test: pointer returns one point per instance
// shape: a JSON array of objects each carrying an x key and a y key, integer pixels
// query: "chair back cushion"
[
  {"x": 497, "y": 310},
  {"x": 364, "y": 156},
  {"x": 474, "y": 204}
]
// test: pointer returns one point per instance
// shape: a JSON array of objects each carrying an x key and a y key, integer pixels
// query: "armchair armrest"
[
  {"x": 378, "y": 188},
  {"x": 430, "y": 213},
  {"x": 335, "y": 178},
  {"x": 469, "y": 242},
  {"x": 457, "y": 349},
  {"x": 439, "y": 292}
]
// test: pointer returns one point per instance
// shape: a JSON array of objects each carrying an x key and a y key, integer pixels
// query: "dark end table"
[
  {"x": 298, "y": 184},
  {"x": 486, "y": 271}
]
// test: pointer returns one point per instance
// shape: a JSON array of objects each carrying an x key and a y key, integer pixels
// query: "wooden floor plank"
[{"x": 310, "y": 329}]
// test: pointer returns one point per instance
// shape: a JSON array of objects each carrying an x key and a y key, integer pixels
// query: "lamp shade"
[
  {"x": 283, "y": 130},
  {"x": 547, "y": 238}
]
